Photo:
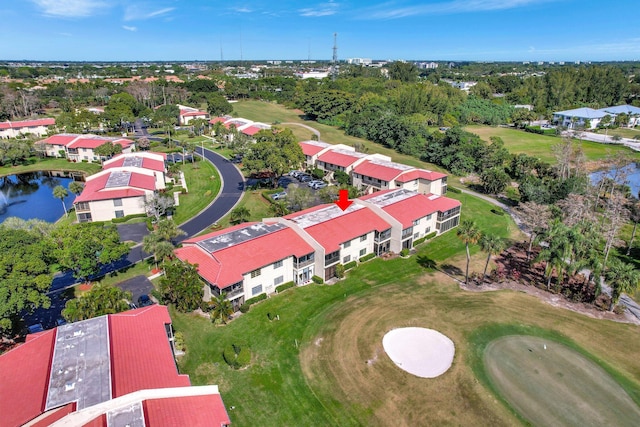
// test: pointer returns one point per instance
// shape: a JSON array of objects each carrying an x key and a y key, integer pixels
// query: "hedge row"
[
  {"x": 318, "y": 280},
  {"x": 285, "y": 286},
  {"x": 454, "y": 189},
  {"x": 539, "y": 130},
  {"x": 128, "y": 217},
  {"x": 367, "y": 257},
  {"x": 350, "y": 265},
  {"x": 426, "y": 237},
  {"x": 247, "y": 304}
]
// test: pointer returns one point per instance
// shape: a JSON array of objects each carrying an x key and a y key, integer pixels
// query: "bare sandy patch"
[{"x": 423, "y": 352}]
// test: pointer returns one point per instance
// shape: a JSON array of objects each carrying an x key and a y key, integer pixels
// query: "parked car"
[
  {"x": 144, "y": 300},
  {"x": 305, "y": 178},
  {"x": 319, "y": 185},
  {"x": 295, "y": 173},
  {"x": 314, "y": 182},
  {"x": 280, "y": 195}
]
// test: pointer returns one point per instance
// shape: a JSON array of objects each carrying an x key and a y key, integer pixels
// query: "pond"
[
  {"x": 30, "y": 195},
  {"x": 633, "y": 177}
]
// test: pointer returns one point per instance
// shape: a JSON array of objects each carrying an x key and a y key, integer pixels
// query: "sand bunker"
[{"x": 422, "y": 352}]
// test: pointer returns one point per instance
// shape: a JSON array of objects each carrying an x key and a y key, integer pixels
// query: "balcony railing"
[
  {"x": 331, "y": 260},
  {"x": 381, "y": 237},
  {"x": 301, "y": 264}
]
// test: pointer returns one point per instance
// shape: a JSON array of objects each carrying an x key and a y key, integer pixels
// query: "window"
[
  {"x": 119, "y": 214},
  {"x": 277, "y": 264},
  {"x": 117, "y": 202},
  {"x": 346, "y": 259},
  {"x": 363, "y": 251},
  {"x": 416, "y": 222},
  {"x": 256, "y": 273},
  {"x": 415, "y": 236},
  {"x": 429, "y": 217},
  {"x": 256, "y": 290},
  {"x": 427, "y": 230},
  {"x": 278, "y": 280},
  {"x": 347, "y": 244},
  {"x": 363, "y": 238}
]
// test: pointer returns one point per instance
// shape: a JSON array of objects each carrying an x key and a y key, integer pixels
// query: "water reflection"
[
  {"x": 30, "y": 195},
  {"x": 632, "y": 177}
]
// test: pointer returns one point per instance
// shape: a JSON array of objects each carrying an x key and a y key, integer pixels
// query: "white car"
[
  {"x": 280, "y": 195},
  {"x": 314, "y": 182},
  {"x": 319, "y": 185}
]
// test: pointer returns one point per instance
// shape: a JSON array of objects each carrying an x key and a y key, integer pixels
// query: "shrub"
[
  {"x": 236, "y": 356},
  {"x": 454, "y": 190},
  {"x": 285, "y": 286},
  {"x": 431, "y": 235},
  {"x": 127, "y": 218},
  {"x": 497, "y": 211},
  {"x": 317, "y": 173},
  {"x": 367, "y": 257},
  {"x": 350, "y": 265},
  {"x": 418, "y": 241},
  {"x": 404, "y": 252},
  {"x": 256, "y": 299},
  {"x": 318, "y": 280},
  {"x": 178, "y": 341},
  {"x": 340, "y": 271},
  {"x": 245, "y": 307}
]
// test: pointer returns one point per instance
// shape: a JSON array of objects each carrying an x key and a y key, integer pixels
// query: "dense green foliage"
[
  {"x": 84, "y": 247},
  {"x": 236, "y": 355},
  {"x": 100, "y": 300},
  {"x": 24, "y": 274},
  {"x": 181, "y": 286},
  {"x": 285, "y": 286}
]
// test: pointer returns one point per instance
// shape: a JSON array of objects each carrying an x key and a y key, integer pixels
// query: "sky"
[{"x": 445, "y": 30}]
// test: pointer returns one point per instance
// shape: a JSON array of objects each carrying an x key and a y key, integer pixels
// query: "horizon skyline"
[{"x": 201, "y": 30}]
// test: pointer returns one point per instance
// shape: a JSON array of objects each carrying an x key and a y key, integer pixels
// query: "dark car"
[{"x": 144, "y": 300}]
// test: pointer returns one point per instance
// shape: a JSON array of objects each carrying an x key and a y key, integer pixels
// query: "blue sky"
[{"x": 491, "y": 30}]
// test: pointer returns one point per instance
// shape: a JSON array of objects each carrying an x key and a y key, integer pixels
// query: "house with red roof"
[
  {"x": 313, "y": 149},
  {"x": 189, "y": 113},
  {"x": 79, "y": 148},
  {"x": 376, "y": 175},
  {"x": 126, "y": 182},
  {"x": 38, "y": 127},
  {"x": 117, "y": 369},
  {"x": 249, "y": 259}
]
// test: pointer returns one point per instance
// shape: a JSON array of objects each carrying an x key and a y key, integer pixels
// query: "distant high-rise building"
[{"x": 359, "y": 61}]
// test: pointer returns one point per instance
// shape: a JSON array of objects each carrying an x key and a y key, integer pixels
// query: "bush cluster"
[
  {"x": 367, "y": 257},
  {"x": 236, "y": 356},
  {"x": 404, "y": 252},
  {"x": 128, "y": 217},
  {"x": 318, "y": 280},
  {"x": 340, "y": 271},
  {"x": 285, "y": 286},
  {"x": 350, "y": 265}
]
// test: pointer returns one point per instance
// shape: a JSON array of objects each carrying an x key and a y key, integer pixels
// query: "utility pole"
[{"x": 334, "y": 70}]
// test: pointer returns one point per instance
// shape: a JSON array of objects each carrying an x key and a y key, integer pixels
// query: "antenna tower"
[{"x": 334, "y": 69}]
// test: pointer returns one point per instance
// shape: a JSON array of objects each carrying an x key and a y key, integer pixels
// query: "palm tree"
[
  {"x": 492, "y": 245},
  {"x": 149, "y": 245},
  {"x": 221, "y": 308},
  {"x": 240, "y": 214},
  {"x": 623, "y": 278},
  {"x": 76, "y": 187},
  {"x": 469, "y": 233},
  {"x": 634, "y": 216},
  {"x": 279, "y": 208},
  {"x": 59, "y": 192},
  {"x": 167, "y": 230}
]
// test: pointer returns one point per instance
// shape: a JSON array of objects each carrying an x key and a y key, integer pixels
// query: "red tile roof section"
[
  {"x": 227, "y": 265},
  {"x": 331, "y": 233},
  {"x": 147, "y": 163},
  {"x": 218, "y": 119},
  {"x": 100, "y": 421},
  {"x": 89, "y": 142},
  {"x": 251, "y": 130},
  {"x": 61, "y": 139},
  {"x": 310, "y": 149},
  {"x": 24, "y": 379},
  {"x": 338, "y": 159},
  {"x": 27, "y": 123},
  {"x": 420, "y": 173},
  {"x": 373, "y": 170},
  {"x": 94, "y": 189},
  {"x": 192, "y": 411},
  {"x": 141, "y": 357},
  {"x": 408, "y": 210}
]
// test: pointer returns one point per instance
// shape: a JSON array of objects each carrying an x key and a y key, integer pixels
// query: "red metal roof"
[
  {"x": 408, "y": 210},
  {"x": 55, "y": 415},
  {"x": 376, "y": 170},
  {"x": 338, "y": 159},
  {"x": 226, "y": 266},
  {"x": 420, "y": 173},
  {"x": 94, "y": 189},
  {"x": 251, "y": 130},
  {"x": 27, "y": 123},
  {"x": 218, "y": 119},
  {"x": 147, "y": 163},
  {"x": 193, "y": 411},
  {"x": 61, "y": 139},
  {"x": 141, "y": 357},
  {"x": 193, "y": 113},
  {"x": 331, "y": 233},
  {"x": 24, "y": 379},
  {"x": 94, "y": 142},
  {"x": 310, "y": 149}
]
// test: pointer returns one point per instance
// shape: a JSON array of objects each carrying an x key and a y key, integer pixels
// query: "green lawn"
[
  {"x": 622, "y": 132},
  {"x": 203, "y": 182},
  {"x": 308, "y": 368},
  {"x": 51, "y": 164},
  {"x": 517, "y": 141}
]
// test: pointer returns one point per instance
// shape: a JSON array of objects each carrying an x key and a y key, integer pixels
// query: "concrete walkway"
[
  {"x": 315, "y": 131},
  {"x": 634, "y": 144}
]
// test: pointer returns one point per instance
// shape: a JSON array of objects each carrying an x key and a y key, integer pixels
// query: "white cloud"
[
  {"x": 140, "y": 13},
  {"x": 128, "y": 28},
  {"x": 323, "y": 9},
  {"x": 242, "y": 9},
  {"x": 388, "y": 11},
  {"x": 70, "y": 8}
]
